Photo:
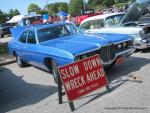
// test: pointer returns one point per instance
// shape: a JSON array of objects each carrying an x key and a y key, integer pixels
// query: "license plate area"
[{"x": 120, "y": 60}]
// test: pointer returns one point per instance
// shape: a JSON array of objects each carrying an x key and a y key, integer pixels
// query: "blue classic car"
[{"x": 48, "y": 46}]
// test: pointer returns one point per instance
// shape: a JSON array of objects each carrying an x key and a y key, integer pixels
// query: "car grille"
[{"x": 106, "y": 53}]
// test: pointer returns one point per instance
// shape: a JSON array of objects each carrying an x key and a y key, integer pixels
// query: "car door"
[
  {"x": 32, "y": 48},
  {"x": 21, "y": 46}
]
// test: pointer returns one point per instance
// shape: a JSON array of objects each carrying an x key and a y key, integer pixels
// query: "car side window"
[
  {"x": 109, "y": 21},
  {"x": 31, "y": 38},
  {"x": 86, "y": 25},
  {"x": 23, "y": 37},
  {"x": 93, "y": 24},
  {"x": 113, "y": 20}
]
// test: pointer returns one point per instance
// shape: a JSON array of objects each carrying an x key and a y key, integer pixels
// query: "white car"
[{"x": 110, "y": 23}]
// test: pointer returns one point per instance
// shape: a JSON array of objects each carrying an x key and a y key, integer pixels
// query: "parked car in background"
[
  {"x": 5, "y": 29},
  {"x": 144, "y": 20},
  {"x": 111, "y": 23},
  {"x": 85, "y": 14},
  {"x": 36, "y": 19},
  {"x": 48, "y": 46}
]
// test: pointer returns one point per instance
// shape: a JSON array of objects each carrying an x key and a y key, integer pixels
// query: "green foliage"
[
  {"x": 34, "y": 8},
  {"x": 2, "y": 17},
  {"x": 16, "y": 12},
  {"x": 12, "y": 13},
  {"x": 63, "y": 7},
  {"x": 43, "y": 12},
  {"x": 108, "y": 3},
  {"x": 56, "y": 7},
  {"x": 93, "y": 3},
  {"x": 98, "y": 4},
  {"x": 75, "y": 7},
  {"x": 3, "y": 48},
  {"x": 120, "y": 5},
  {"x": 123, "y": 1}
]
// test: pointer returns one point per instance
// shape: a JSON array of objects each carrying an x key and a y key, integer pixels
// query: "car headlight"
[
  {"x": 124, "y": 44},
  {"x": 119, "y": 46},
  {"x": 142, "y": 32},
  {"x": 144, "y": 41}
]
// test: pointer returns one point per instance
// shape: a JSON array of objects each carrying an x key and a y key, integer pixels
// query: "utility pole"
[
  {"x": 47, "y": 7},
  {"x": 84, "y": 5}
]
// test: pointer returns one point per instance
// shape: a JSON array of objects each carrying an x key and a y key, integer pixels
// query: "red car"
[{"x": 85, "y": 14}]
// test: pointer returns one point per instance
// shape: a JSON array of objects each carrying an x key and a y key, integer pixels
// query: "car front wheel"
[
  {"x": 20, "y": 62},
  {"x": 1, "y": 35},
  {"x": 54, "y": 71}
]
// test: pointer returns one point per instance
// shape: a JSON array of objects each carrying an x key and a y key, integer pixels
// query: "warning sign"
[{"x": 83, "y": 77}]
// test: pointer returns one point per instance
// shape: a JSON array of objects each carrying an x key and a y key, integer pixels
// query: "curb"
[{"x": 6, "y": 63}]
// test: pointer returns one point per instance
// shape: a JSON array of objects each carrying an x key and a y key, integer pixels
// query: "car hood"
[
  {"x": 139, "y": 8},
  {"x": 114, "y": 38},
  {"x": 118, "y": 30},
  {"x": 77, "y": 44}
]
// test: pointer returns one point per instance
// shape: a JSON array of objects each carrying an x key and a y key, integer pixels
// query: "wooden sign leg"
[
  {"x": 60, "y": 94},
  {"x": 71, "y": 106},
  {"x": 108, "y": 88}
]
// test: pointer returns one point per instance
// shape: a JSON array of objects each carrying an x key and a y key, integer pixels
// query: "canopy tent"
[
  {"x": 62, "y": 13},
  {"x": 15, "y": 19}
]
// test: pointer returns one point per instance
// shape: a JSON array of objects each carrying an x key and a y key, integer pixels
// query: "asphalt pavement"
[{"x": 29, "y": 90}]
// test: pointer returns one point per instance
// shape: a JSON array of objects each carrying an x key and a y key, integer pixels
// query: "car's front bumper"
[
  {"x": 142, "y": 45},
  {"x": 123, "y": 53}
]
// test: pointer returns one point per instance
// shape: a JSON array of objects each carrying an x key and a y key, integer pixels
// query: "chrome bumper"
[
  {"x": 123, "y": 53},
  {"x": 142, "y": 45}
]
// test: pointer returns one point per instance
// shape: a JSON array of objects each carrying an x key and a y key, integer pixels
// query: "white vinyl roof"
[{"x": 103, "y": 16}]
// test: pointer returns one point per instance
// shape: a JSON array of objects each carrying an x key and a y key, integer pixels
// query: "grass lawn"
[{"x": 3, "y": 48}]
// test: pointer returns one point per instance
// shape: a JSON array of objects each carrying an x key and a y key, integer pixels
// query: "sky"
[{"x": 21, "y": 5}]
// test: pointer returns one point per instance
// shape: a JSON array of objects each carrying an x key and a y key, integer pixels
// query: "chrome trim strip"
[
  {"x": 85, "y": 52},
  {"x": 123, "y": 41},
  {"x": 128, "y": 51}
]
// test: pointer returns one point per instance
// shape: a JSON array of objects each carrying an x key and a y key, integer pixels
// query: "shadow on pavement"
[
  {"x": 132, "y": 64},
  {"x": 16, "y": 93},
  {"x": 146, "y": 50},
  {"x": 116, "y": 73}
]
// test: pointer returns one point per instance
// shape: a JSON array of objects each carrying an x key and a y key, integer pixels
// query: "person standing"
[
  {"x": 69, "y": 18},
  {"x": 62, "y": 18}
]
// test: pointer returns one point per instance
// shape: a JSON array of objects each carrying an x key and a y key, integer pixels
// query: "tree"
[
  {"x": 53, "y": 9},
  {"x": 93, "y": 3},
  {"x": 108, "y": 3},
  {"x": 12, "y": 13},
  {"x": 2, "y": 17},
  {"x": 43, "y": 12},
  {"x": 75, "y": 7},
  {"x": 34, "y": 8},
  {"x": 63, "y": 7},
  {"x": 56, "y": 7},
  {"x": 16, "y": 12}
]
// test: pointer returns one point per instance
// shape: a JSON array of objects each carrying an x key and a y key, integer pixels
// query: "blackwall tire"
[
  {"x": 20, "y": 62},
  {"x": 54, "y": 71}
]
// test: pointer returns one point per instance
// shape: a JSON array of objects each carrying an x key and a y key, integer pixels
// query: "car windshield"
[
  {"x": 93, "y": 24},
  {"x": 54, "y": 32},
  {"x": 113, "y": 20}
]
